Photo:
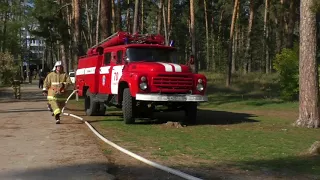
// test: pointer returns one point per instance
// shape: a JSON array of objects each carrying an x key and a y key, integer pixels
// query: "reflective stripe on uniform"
[
  {"x": 58, "y": 83},
  {"x": 55, "y": 98},
  {"x": 57, "y": 111}
]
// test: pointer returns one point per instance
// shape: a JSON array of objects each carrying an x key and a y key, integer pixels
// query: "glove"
[
  {"x": 62, "y": 88},
  {"x": 45, "y": 92}
]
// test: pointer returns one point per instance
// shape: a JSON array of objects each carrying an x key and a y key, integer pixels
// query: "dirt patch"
[{"x": 171, "y": 124}]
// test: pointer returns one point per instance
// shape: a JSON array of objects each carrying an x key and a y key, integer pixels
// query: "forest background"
[{"x": 232, "y": 39}]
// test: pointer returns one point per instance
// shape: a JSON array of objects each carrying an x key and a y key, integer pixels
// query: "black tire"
[
  {"x": 128, "y": 107},
  {"x": 101, "y": 109},
  {"x": 90, "y": 106},
  {"x": 191, "y": 112}
]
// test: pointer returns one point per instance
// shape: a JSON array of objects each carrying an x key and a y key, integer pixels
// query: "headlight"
[
  {"x": 143, "y": 86},
  {"x": 200, "y": 87},
  {"x": 200, "y": 81}
]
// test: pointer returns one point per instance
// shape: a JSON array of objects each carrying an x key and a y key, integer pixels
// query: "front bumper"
[{"x": 171, "y": 98}]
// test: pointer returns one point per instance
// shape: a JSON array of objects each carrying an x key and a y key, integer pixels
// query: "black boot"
[{"x": 57, "y": 118}]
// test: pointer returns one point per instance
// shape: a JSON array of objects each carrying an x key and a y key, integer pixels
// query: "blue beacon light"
[
  {"x": 126, "y": 40},
  {"x": 171, "y": 43}
]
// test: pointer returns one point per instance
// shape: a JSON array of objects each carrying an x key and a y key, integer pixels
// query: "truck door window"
[
  {"x": 107, "y": 58},
  {"x": 119, "y": 57}
]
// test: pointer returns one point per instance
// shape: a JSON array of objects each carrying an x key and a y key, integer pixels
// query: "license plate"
[{"x": 174, "y": 98}]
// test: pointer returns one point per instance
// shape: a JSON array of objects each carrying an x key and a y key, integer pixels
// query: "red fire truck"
[{"x": 137, "y": 73}]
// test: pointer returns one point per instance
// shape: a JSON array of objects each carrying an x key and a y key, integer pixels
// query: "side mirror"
[{"x": 126, "y": 60}]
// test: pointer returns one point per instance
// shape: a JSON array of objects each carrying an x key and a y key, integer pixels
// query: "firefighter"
[
  {"x": 16, "y": 85},
  {"x": 56, "y": 87}
]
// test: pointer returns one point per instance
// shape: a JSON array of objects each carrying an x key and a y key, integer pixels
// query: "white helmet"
[{"x": 58, "y": 63}]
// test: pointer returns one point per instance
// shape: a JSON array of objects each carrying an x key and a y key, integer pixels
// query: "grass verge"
[{"x": 236, "y": 129}]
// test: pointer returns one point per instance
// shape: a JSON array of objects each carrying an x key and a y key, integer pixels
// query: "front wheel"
[
  {"x": 191, "y": 112},
  {"x": 128, "y": 103}
]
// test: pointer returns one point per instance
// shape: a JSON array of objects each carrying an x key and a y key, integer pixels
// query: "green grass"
[
  {"x": 241, "y": 102},
  {"x": 242, "y": 126},
  {"x": 270, "y": 143}
]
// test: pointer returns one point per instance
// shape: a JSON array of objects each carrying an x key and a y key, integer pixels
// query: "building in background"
[{"x": 33, "y": 55}]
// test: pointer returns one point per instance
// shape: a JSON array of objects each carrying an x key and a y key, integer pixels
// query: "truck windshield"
[{"x": 151, "y": 55}]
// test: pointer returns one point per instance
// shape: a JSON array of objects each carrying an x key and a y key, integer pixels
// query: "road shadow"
[
  {"x": 106, "y": 171},
  {"x": 22, "y": 110},
  {"x": 78, "y": 171},
  {"x": 7, "y": 96}
]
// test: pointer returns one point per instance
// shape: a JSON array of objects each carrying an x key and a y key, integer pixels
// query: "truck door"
[
  {"x": 104, "y": 76},
  {"x": 117, "y": 66}
]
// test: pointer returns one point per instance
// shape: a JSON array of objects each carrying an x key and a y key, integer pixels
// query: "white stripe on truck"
[
  {"x": 177, "y": 67},
  {"x": 168, "y": 67},
  {"x": 106, "y": 69},
  {"x": 90, "y": 70}
]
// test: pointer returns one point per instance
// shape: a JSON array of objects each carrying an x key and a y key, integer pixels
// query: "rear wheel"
[
  {"x": 191, "y": 112},
  {"x": 92, "y": 107},
  {"x": 128, "y": 103},
  {"x": 101, "y": 109}
]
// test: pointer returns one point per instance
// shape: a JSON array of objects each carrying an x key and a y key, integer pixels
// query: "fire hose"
[{"x": 156, "y": 165}]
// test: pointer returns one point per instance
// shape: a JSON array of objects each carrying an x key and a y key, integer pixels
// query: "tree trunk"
[
  {"x": 135, "y": 20},
  {"x": 89, "y": 25},
  {"x": 159, "y": 17},
  {"x": 235, "y": 44},
  {"x": 212, "y": 63},
  {"x": 266, "y": 36},
  {"x": 219, "y": 44},
  {"x": 113, "y": 16},
  {"x": 4, "y": 31},
  {"x": 308, "y": 71},
  {"x": 119, "y": 21},
  {"x": 69, "y": 15},
  {"x": 63, "y": 57},
  {"x": 193, "y": 36},
  {"x": 105, "y": 18},
  {"x": 291, "y": 24},
  {"x": 97, "y": 23},
  {"x": 165, "y": 25},
  {"x": 142, "y": 17},
  {"x": 235, "y": 8},
  {"x": 128, "y": 17},
  {"x": 248, "y": 45},
  {"x": 169, "y": 20},
  {"x": 77, "y": 30},
  {"x": 280, "y": 25},
  {"x": 207, "y": 33}
]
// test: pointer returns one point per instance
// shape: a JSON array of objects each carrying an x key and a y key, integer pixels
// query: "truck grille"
[{"x": 171, "y": 83}]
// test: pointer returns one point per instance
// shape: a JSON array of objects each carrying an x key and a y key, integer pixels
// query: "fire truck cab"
[{"x": 137, "y": 73}]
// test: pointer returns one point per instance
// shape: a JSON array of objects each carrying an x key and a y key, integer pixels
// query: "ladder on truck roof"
[
  {"x": 106, "y": 39},
  {"x": 121, "y": 37}
]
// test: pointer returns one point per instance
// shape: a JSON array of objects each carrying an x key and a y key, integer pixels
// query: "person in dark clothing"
[{"x": 42, "y": 76}]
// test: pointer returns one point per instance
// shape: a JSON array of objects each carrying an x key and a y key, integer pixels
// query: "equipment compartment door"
[
  {"x": 115, "y": 77},
  {"x": 104, "y": 75}
]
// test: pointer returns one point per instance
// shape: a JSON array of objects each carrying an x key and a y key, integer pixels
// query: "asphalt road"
[{"x": 33, "y": 147}]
